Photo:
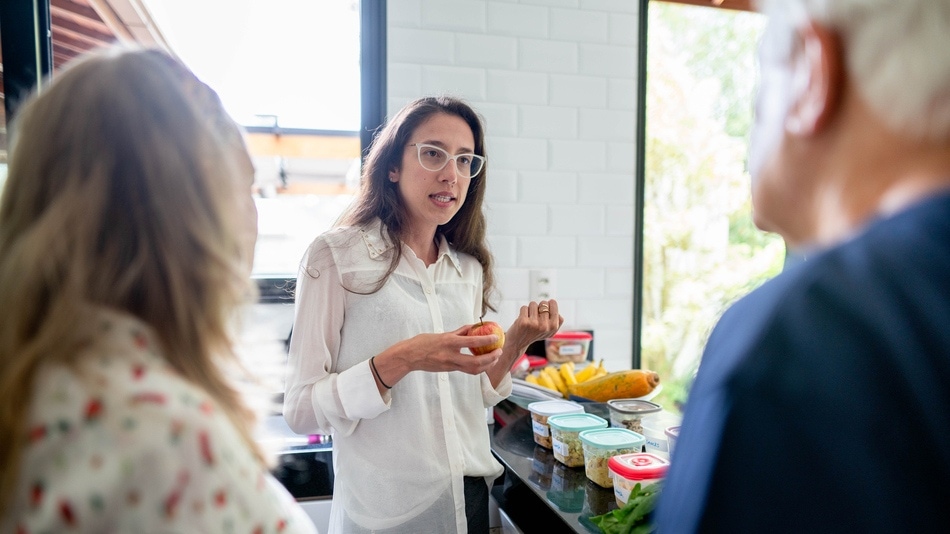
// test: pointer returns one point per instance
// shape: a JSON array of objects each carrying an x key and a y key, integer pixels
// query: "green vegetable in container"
[{"x": 636, "y": 517}]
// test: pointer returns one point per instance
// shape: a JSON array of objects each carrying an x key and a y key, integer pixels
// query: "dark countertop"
[{"x": 536, "y": 484}]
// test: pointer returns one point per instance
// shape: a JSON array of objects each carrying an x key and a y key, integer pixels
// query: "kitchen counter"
[{"x": 537, "y": 488}]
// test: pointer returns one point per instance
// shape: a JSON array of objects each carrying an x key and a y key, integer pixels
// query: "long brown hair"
[
  {"x": 125, "y": 182},
  {"x": 379, "y": 198}
]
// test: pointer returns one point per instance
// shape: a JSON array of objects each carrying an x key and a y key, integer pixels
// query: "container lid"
[
  {"x": 658, "y": 422},
  {"x": 612, "y": 438},
  {"x": 577, "y": 422},
  {"x": 554, "y": 407},
  {"x": 578, "y": 336},
  {"x": 537, "y": 361},
  {"x": 638, "y": 466},
  {"x": 673, "y": 431},
  {"x": 634, "y": 406}
]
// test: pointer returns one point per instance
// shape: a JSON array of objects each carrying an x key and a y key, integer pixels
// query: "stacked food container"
[
  {"x": 629, "y": 413},
  {"x": 631, "y": 447},
  {"x": 628, "y": 470},
  {"x": 542, "y": 410},
  {"x": 655, "y": 428},
  {"x": 602, "y": 444},
  {"x": 565, "y": 435}
]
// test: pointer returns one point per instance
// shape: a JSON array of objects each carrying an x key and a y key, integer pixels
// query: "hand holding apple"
[{"x": 486, "y": 328}]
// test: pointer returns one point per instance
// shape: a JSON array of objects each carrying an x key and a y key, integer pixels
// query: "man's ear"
[{"x": 818, "y": 75}]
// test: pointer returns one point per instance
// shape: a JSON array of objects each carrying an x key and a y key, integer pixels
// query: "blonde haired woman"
[{"x": 127, "y": 233}]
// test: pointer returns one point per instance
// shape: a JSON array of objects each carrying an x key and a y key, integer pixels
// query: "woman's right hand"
[{"x": 436, "y": 353}]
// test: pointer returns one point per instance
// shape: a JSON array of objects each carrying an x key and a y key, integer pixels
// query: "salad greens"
[{"x": 636, "y": 517}]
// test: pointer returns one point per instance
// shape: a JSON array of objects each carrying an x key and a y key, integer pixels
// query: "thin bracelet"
[{"x": 376, "y": 373}]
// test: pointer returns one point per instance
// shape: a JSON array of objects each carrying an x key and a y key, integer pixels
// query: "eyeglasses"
[{"x": 433, "y": 158}]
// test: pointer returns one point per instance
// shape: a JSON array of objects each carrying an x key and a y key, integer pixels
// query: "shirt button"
[
  {"x": 428, "y": 290},
  {"x": 442, "y": 377}
]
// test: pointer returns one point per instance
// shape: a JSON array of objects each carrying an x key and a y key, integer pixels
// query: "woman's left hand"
[{"x": 536, "y": 321}]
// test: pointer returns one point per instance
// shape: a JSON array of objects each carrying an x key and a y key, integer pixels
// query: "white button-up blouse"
[{"x": 399, "y": 459}]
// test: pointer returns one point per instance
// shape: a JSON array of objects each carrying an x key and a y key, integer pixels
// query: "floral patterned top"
[{"x": 125, "y": 444}]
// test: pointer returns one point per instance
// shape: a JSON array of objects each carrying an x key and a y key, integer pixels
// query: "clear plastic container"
[
  {"x": 541, "y": 410},
  {"x": 672, "y": 434},
  {"x": 654, "y": 430},
  {"x": 603, "y": 443},
  {"x": 629, "y": 413},
  {"x": 628, "y": 470},
  {"x": 565, "y": 439},
  {"x": 567, "y": 347}
]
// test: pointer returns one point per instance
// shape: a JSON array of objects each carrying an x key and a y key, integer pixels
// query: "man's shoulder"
[
  {"x": 885, "y": 288},
  {"x": 893, "y": 258}
]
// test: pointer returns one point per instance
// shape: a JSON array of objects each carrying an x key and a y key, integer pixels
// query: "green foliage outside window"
[{"x": 701, "y": 248}]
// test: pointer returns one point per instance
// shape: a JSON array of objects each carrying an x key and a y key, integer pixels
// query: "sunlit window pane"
[
  {"x": 289, "y": 71},
  {"x": 701, "y": 250},
  {"x": 296, "y": 60}
]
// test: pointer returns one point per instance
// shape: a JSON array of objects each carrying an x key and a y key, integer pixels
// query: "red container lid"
[
  {"x": 638, "y": 466},
  {"x": 577, "y": 336},
  {"x": 536, "y": 361}
]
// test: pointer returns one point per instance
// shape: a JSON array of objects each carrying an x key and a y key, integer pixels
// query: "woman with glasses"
[{"x": 384, "y": 304}]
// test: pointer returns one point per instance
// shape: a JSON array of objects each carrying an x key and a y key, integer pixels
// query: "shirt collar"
[
  {"x": 446, "y": 250},
  {"x": 377, "y": 244}
]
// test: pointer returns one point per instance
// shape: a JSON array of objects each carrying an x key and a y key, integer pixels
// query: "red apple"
[{"x": 486, "y": 328}]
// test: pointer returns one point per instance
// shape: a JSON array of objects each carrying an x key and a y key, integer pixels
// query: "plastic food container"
[
  {"x": 603, "y": 443},
  {"x": 541, "y": 410},
  {"x": 567, "y": 347},
  {"x": 628, "y": 470},
  {"x": 654, "y": 430},
  {"x": 565, "y": 440},
  {"x": 672, "y": 433},
  {"x": 629, "y": 413}
]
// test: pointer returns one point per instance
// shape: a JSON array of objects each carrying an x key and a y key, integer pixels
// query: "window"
[
  {"x": 293, "y": 72},
  {"x": 290, "y": 72},
  {"x": 701, "y": 250}
]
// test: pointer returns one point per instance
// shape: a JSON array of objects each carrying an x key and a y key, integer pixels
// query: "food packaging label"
[{"x": 540, "y": 429}]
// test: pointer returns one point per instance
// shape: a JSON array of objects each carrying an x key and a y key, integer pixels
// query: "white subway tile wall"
[{"x": 555, "y": 81}]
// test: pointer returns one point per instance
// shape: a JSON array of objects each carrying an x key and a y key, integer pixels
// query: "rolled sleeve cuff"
[
  {"x": 493, "y": 395},
  {"x": 360, "y": 395}
]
